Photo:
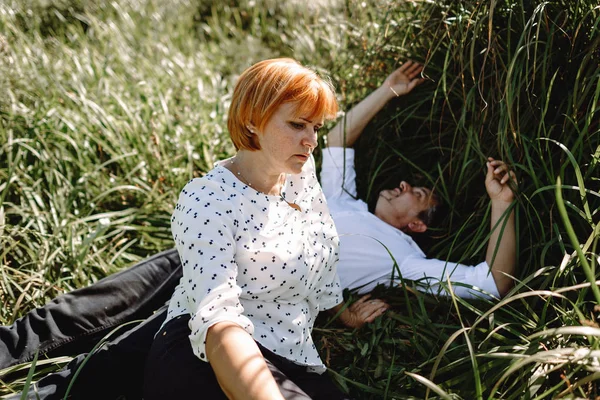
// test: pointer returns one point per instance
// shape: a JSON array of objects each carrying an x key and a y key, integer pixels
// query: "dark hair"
[{"x": 429, "y": 216}]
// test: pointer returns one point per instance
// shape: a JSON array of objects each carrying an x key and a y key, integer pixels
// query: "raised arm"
[
  {"x": 501, "y": 251},
  {"x": 350, "y": 127}
]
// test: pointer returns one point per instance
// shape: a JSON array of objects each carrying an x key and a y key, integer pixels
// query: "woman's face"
[{"x": 287, "y": 140}]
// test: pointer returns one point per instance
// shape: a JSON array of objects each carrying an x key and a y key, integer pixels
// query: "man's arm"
[
  {"x": 350, "y": 127},
  {"x": 501, "y": 251}
]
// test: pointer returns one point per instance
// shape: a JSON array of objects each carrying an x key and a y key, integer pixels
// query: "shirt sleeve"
[
  {"x": 203, "y": 230},
  {"x": 329, "y": 292},
  {"x": 338, "y": 176},
  {"x": 467, "y": 281}
]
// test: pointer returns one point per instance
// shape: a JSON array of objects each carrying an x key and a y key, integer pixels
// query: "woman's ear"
[{"x": 251, "y": 127}]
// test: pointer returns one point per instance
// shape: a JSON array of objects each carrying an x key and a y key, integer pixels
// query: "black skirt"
[{"x": 174, "y": 372}]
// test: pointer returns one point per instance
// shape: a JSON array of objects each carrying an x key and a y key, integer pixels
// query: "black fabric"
[
  {"x": 74, "y": 322},
  {"x": 174, "y": 372},
  {"x": 114, "y": 371}
]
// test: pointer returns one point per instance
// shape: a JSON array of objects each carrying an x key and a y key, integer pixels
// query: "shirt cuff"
[
  {"x": 485, "y": 279},
  {"x": 199, "y": 329}
]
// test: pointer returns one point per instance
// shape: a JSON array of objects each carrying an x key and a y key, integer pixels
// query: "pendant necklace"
[{"x": 242, "y": 178}]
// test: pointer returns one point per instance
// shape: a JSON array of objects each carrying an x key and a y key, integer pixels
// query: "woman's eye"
[
  {"x": 296, "y": 125},
  {"x": 317, "y": 129}
]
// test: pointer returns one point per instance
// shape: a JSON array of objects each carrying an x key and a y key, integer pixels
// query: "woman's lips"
[{"x": 303, "y": 157}]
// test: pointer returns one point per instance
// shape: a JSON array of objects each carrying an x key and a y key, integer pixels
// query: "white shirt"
[
  {"x": 251, "y": 259},
  {"x": 373, "y": 252}
]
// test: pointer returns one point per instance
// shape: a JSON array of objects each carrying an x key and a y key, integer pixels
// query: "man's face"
[{"x": 400, "y": 207}]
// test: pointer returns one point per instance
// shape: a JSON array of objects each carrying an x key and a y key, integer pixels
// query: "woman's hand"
[
  {"x": 497, "y": 181},
  {"x": 404, "y": 79},
  {"x": 362, "y": 311}
]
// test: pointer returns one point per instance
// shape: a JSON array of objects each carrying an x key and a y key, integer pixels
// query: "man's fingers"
[
  {"x": 366, "y": 310},
  {"x": 406, "y": 65},
  {"x": 414, "y": 70},
  {"x": 415, "y": 82},
  {"x": 363, "y": 299},
  {"x": 410, "y": 68},
  {"x": 374, "y": 314},
  {"x": 501, "y": 169},
  {"x": 360, "y": 306},
  {"x": 509, "y": 176},
  {"x": 367, "y": 306}
]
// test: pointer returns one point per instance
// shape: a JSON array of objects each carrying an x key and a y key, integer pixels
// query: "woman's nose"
[{"x": 310, "y": 140}]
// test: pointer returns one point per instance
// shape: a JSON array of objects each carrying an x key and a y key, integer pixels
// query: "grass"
[{"x": 109, "y": 108}]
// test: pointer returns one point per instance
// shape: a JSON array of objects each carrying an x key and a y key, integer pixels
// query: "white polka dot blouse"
[{"x": 251, "y": 259}]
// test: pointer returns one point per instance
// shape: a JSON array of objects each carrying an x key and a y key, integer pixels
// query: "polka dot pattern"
[{"x": 251, "y": 259}]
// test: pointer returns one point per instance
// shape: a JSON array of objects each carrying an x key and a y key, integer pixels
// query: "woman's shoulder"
[
  {"x": 218, "y": 176},
  {"x": 216, "y": 184}
]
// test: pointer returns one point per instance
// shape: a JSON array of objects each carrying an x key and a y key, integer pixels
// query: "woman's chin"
[{"x": 296, "y": 168}]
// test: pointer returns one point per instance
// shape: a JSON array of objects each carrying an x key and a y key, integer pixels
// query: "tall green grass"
[{"x": 109, "y": 108}]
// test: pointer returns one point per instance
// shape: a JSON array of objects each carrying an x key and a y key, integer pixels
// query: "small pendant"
[{"x": 294, "y": 206}]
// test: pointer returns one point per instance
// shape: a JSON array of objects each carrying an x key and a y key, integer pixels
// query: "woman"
[{"x": 258, "y": 249}]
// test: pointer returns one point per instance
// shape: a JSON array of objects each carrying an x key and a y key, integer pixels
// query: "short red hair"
[{"x": 265, "y": 86}]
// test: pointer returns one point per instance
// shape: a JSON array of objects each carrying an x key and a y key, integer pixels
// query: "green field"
[{"x": 108, "y": 108}]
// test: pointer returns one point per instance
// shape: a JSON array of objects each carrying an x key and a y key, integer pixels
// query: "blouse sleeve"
[
  {"x": 329, "y": 293},
  {"x": 203, "y": 228}
]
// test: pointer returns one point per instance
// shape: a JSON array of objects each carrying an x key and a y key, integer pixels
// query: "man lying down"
[{"x": 371, "y": 244}]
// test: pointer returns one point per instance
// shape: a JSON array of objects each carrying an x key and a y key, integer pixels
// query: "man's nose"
[{"x": 405, "y": 187}]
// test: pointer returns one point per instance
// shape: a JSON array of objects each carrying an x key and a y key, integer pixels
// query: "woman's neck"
[{"x": 252, "y": 170}]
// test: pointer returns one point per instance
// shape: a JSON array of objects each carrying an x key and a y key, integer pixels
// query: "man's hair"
[
  {"x": 265, "y": 86},
  {"x": 430, "y": 216}
]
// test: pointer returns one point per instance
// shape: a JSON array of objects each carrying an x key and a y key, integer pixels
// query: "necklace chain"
[{"x": 247, "y": 182}]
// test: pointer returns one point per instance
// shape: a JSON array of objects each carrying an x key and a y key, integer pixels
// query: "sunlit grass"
[{"x": 108, "y": 108}]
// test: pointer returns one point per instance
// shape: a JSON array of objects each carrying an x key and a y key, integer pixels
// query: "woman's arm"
[
  {"x": 238, "y": 363},
  {"x": 203, "y": 229}
]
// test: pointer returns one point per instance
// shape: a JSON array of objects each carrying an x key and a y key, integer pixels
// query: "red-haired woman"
[{"x": 259, "y": 251}]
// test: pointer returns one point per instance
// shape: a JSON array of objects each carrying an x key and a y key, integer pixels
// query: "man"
[{"x": 372, "y": 243}]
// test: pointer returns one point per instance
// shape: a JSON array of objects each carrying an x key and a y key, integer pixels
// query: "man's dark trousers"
[{"x": 72, "y": 324}]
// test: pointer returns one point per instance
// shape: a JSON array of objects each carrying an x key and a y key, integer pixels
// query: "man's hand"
[
  {"x": 398, "y": 83},
  {"x": 405, "y": 78},
  {"x": 363, "y": 311},
  {"x": 497, "y": 181}
]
